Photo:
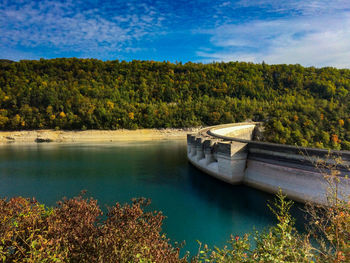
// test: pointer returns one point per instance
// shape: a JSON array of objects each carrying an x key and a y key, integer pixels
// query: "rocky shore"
[{"x": 46, "y": 136}]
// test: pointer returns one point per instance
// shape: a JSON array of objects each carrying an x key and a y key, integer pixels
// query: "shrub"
[
  {"x": 330, "y": 228},
  {"x": 74, "y": 232},
  {"x": 281, "y": 243},
  {"x": 330, "y": 223}
]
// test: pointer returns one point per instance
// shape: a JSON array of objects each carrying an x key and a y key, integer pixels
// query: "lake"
[{"x": 197, "y": 206}]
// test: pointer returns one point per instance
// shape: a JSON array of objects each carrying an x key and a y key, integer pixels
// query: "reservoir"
[{"x": 197, "y": 206}]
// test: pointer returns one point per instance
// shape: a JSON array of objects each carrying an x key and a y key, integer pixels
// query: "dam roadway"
[{"x": 229, "y": 153}]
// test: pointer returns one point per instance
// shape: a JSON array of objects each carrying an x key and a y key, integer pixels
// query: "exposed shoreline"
[{"x": 37, "y": 136}]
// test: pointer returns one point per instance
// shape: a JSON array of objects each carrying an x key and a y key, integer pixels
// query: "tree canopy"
[{"x": 302, "y": 106}]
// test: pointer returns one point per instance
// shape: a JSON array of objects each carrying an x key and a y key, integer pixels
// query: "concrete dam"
[{"x": 229, "y": 153}]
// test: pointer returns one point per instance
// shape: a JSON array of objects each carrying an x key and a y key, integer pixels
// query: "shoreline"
[{"x": 47, "y": 136}]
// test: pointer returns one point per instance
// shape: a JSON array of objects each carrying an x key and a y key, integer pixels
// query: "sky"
[{"x": 308, "y": 32}]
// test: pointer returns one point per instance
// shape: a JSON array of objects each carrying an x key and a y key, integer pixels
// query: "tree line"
[{"x": 300, "y": 106}]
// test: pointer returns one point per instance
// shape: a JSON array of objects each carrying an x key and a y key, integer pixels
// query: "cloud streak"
[
  {"x": 64, "y": 25},
  {"x": 322, "y": 40},
  {"x": 301, "y": 7}
]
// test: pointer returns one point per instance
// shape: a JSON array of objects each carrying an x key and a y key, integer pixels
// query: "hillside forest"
[{"x": 303, "y": 106}]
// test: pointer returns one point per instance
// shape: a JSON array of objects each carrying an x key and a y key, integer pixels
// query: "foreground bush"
[
  {"x": 73, "y": 232},
  {"x": 281, "y": 243},
  {"x": 329, "y": 227}
]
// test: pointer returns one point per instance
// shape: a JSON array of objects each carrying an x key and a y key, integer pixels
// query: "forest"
[{"x": 304, "y": 106}]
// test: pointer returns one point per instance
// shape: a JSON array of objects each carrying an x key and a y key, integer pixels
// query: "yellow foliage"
[
  {"x": 62, "y": 114},
  {"x": 341, "y": 122},
  {"x": 307, "y": 123},
  {"x": 91, "y": 109},
  {"x": 17, "y": 118},
  {"x": 49, "y": 109},
  {"x": 6, "y": 98},
  {"x": 319, "y": 145},
  {"x": 110, "y": 105},
  {"x": 23, "y": 123},
  {"x": 131, "y": 115},
  {"x": 3, "y": 120},
  {"x": 52, "y": 117},
  {"x": 295, "y": 117}
]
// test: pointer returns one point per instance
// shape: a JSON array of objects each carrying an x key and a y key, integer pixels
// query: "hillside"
[{"x": 303, "y": 106}]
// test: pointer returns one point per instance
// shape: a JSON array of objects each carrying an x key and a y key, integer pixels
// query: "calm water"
[{"x": 197, "y": 206}]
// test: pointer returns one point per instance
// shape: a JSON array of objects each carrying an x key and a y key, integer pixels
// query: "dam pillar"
[
  {"x": 191, "y": 147},
  {"x": 209, "y": 150},
  {"x": 232, "y": 158},
  {"x": 199, "y": 148}
]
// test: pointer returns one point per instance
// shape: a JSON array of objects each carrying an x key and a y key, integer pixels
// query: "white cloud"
[
  {"x": 308, "y": 40},
  {"x": 305, "y": 7},
  {"x": 65, "y": 26}
]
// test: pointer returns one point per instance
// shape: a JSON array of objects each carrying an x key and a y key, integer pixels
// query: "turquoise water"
[{"x": 197, "y": 206}]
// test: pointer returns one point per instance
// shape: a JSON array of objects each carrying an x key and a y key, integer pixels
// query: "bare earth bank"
[{"x": 93, "y": 135}]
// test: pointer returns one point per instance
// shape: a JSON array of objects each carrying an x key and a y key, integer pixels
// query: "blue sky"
[{"x": 311, "y": 33}]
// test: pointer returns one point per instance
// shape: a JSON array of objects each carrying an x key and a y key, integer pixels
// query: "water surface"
[{"x": 197, "y": 206}]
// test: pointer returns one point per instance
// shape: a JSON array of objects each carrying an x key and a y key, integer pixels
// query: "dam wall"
[{"x": 229, "y": 153}]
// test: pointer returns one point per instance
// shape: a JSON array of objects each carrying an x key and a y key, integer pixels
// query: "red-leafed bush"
[{"x": 74, "y": 232}]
